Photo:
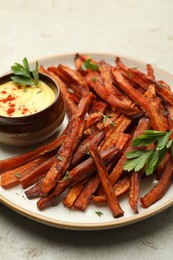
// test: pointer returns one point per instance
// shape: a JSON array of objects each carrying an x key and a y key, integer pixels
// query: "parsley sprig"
[
  {"x": 88, "y": 64},
  {"x": 149, "y": 159},
  {"x": 23, "y": 75},
  {"x": 66, "y": 176},
  {"x": 107, "y": 118}
]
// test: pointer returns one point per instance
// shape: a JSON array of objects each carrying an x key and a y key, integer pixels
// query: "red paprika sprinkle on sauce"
[
  {"x": 17, "y": 100},
  {"x": 7, "y": 99},
  {"x": 25, "y": 110},
  {"x": 10, "y": 111},
  {"x": 11, "y": 105}
]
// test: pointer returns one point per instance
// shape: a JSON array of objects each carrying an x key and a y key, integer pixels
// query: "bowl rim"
[{"x": 20, "y": 118}]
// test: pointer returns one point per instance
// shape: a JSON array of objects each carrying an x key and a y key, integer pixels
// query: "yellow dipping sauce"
[{"x": 17, "y": 101}]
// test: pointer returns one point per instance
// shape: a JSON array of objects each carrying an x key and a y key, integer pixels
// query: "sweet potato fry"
[
  {"x": 134, "y": 190},
  {"x": 86, "y": 194},
  {"x": 112, "y": 135},
  {"x": 157, "y": 192},
  {"x": 121, "y": 188},
  {"x": 108, "y": 189},
  {"x": 76, "y": 90},
  {"x": 151, "y": 112},
  {"x": 150, "y": 71},
  {"x": 21, "y": 159},
  {"x": 73, "y": 194},
  {"x": 35, "y": 174},
  {"x": 74, "y": 98},
  {"x": 98, "y": 106},
  {"x": 77, "y": 174},
  {"x": 11, "y": 178},
  {"x": 162, "y": 90},
  {"x": 69, "y": 103},
  {"x": 107, "y": 79},
  {"x": 117, "y": 171},
  {"x": 35, "y": 191},
  {"x": 82, "y": 149},
  {"x": 65, "y": 78},
  {"x": 76, "y": 77},
  {"x": 84, "y": 105},
  {"x": 156, "y": 101},
  {"x": 64, "y": 156},
  {"x": 109, "y": 83},
  {"x": 93, "y": 118},
  {"x": 99, "y": 88}
]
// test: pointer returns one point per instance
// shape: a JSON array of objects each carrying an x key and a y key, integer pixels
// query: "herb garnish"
[
  {"x": 105, "y": 118},
  {"x": 99, "y": 213},
  {"x": 22, "y": 74},
  {"x": 61, "y": 158},
  {"x": 149, "y": 159},
  {"x": 94, "y": 79},
  {"x": 17, "y": 175},
  {"x": 66, "y": 176},
  {"x": 89, "y": 65}
]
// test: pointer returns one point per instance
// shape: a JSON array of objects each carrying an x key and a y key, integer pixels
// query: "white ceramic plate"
[{"x": 62, "y": 217}]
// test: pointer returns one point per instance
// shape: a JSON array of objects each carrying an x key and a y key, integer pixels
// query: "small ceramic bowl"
[{"x": 35, "y": 128}]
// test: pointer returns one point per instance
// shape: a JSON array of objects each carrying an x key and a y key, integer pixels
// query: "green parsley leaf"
[
  {"x": 22, "y": 74},
  {"x": 149, "y": 137},
  {"x": 39, "y": 92},
  {"x": 67, "y": 176},
  {"x": 61, "y": 158},
  {"x": 149, "y": 159},
  {"x": 105, "y": 118},
  {"x": 17, "y": 175},
  {"x": 94, "y": 79},
  {"x": 89, "y": 65},
  {"x": 139, "y": 159},
  {"x": 99, "y": 213}
]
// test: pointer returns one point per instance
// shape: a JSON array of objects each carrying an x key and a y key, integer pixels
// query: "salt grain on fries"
[{"x": 107, "y": 106}]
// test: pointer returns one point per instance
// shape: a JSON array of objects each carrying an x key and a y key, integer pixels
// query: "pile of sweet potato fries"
[{"x": 107, "y": 106}]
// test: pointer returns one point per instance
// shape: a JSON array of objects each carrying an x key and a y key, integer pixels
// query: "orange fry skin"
[
  {"x": 64, "y": 156},
  {"x": 10, "y": 179},
  {"x": 69, "y": 103},
  {"x": 121, "y": 188},
  {"x": 150, "y": 71},
  {"x": 73, "y": 194},
  {"x": 21, "y": 159},
  {"x": 151, "y": 112},
  {"x": 86, "y": 194},
  {"x": 76, "y": 77},
  {"x": 38, "y": 172},
  {"x": 108, "y": 189},
  {"x": 163, "y": 91},
  {"x": 157, "y": 192},
  {"x": 134, "y": 191},
  {"x": 112, "y": 135},
  {"x": 111, "y": 99},
  {"x": 34, "y": 191},
  {"x": 82, "y": 149},
  {"x": 77, "y": 174}
]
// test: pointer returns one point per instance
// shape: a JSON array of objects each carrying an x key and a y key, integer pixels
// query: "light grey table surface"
[{"x": 36, "y": 29}]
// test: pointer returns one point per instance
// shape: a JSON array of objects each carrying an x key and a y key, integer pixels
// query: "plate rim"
[{"x": 118, "y": 222}]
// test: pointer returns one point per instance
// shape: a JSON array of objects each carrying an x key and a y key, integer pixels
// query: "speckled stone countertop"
[{"x": 36, "y": 29}]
